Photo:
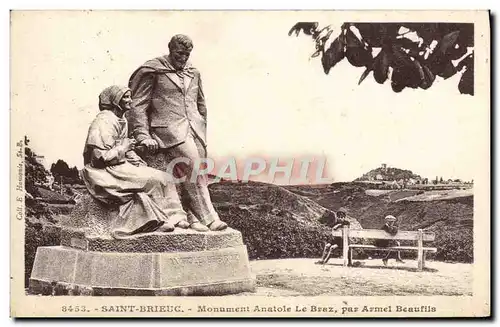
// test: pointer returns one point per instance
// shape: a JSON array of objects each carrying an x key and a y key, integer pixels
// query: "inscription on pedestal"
[
  {"x": 204, "y": 267},
  {"x": 201, "y": 261},
  {"x": 109, "y": 273}
]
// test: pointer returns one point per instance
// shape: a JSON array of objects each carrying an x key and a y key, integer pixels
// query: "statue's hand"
[
  {"x": 151, "y": 144},
  {"x": 128, "y": 144}
]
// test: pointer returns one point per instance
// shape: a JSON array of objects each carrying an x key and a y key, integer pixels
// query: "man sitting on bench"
[
  {"x": 336, "y": 242},
  {"x": 390, "y": 228}
]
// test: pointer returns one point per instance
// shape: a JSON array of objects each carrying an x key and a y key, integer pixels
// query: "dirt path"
[{"x": 301, "y": 277}]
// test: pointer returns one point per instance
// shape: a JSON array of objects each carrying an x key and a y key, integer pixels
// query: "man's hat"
[{"x": 390, "y": 218}]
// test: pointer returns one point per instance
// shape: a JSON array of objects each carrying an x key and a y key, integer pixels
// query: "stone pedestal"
[
  {"x": 184, "y": 262},
  {"x": 178, "y": 263}
]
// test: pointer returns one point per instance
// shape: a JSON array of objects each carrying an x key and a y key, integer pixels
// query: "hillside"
[
  {"x": 271, "y": 199},
  {"x": 275, "y": 222}
]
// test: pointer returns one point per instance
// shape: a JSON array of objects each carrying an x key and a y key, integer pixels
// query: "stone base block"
[
  {"x": 181, "y": 240},
  {"x": 60, "y": 270}
]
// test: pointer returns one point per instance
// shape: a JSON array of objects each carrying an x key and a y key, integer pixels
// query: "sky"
[{"x": 265, "y": 96}]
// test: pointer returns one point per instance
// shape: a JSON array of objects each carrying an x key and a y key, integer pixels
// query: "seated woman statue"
[{"x": 115, "y": 175}]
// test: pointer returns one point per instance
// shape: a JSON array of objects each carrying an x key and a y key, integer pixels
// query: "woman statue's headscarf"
[
  {"x": 100, "y": 134},
  {"x": 110, "y": 97}
]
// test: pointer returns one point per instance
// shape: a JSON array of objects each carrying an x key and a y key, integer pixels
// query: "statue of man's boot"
[
  {"x": 217, "y": 225},
  {"x": 195, "y": 224},
  {"x": 183, "y": 224}
]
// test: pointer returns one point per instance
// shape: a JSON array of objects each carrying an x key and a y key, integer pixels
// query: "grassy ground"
[
  {"x": 301, "y": 277},
  {"x": 441, "y": 195}
]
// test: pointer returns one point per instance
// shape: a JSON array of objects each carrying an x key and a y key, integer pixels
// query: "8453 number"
[{"x": 76, "y": 308}]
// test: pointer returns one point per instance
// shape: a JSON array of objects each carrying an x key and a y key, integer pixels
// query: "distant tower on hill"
[{"x": 384, "y": 167}]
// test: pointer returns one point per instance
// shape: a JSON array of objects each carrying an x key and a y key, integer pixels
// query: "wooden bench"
[{"x": 420, "y": 236}]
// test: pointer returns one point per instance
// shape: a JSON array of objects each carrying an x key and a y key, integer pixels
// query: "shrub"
[
  {"x": 269, "y": 235},
  {"x": 455, "y": 245}
]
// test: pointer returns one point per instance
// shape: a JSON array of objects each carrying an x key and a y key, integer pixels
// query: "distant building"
[
  {"x": 379, "y": 177},
  {"x": 395, "y": 185}
]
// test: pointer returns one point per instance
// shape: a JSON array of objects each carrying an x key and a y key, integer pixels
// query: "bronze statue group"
[{"x": 163, "y": 113}]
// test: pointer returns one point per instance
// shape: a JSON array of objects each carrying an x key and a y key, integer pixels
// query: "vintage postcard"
[{"x": 250, "y": 164}]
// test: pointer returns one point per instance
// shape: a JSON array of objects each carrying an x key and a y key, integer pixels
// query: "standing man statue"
[{"x": 169, "y": 118}]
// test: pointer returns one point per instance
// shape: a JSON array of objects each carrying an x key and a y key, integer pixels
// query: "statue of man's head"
[{"x": 180, "y": 47}]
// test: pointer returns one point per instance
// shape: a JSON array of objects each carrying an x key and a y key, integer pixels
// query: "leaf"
[
  {"x": 447, "y": 70},
  {"x": 352, "y": 40},
  {"x": 295, "y": 28},
  {"x": 326, "y": 37},
  {"x": 317, "y": 53},
  {"x": 407, "y": 70},
  {"x": 318, "y": 35},
  {"x": 357, "y": 52},
  {"x": 456, "y": 53},
  {"x": 420, "y": 71},
  {"x": 359, "y": 57},
  {"x": 448, "y": 41},
  {"x": 441, "y": 65},
  {"x": 307, "y": 27},
  {"x": 365, "y": 73},
  {"x": 400, "y": 58},
  {"x": 466, "y": 84},
  {"x": 321, "y": 41},
  {"x": 396, "y": 87},
  {"x": 466, "y": 62},
  {"x": 398, "y": 82},
  {"x": 381, "y": 67},
  {"x": 429, "y": 78},
  {"x": 332, "y": 55}
]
